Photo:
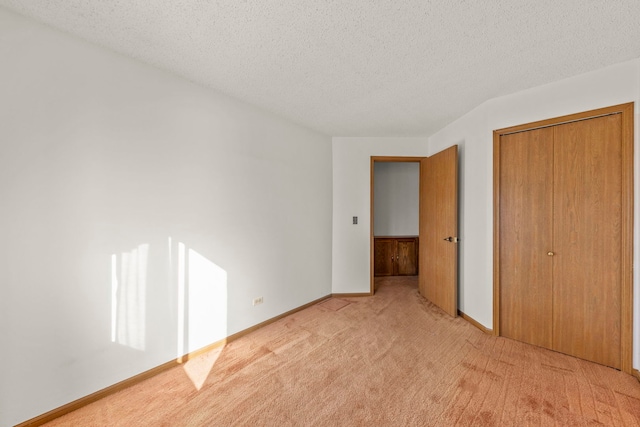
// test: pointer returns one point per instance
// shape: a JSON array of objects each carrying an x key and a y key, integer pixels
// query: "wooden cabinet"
[{"x": 395, "y": 256}]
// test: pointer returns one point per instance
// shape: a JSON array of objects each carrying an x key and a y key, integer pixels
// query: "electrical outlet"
[{"x": 258, "y": 300}]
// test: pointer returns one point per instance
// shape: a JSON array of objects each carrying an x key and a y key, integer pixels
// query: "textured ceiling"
[{"x": 359, "y": 68}]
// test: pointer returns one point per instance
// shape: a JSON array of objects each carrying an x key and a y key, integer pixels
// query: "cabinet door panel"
[
  {"x": 407, "y": 257},
  {"x": 384, "y": 257}
]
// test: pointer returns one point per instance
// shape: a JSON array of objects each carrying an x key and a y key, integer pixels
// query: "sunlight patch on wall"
[
  {"x": 202, "y": 301},
  {"x": 207, "y": 301},
  {"x": 201, "y": 308},
  {"x": 181, "y": 300},
  {"x": 128, "y": 297}
]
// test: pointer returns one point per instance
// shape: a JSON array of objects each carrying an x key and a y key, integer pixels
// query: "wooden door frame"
[
  {"x": 626, "y": 308},
  {"x": 382, "y": 159}
]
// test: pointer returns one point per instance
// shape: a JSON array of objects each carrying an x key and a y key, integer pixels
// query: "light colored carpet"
[{"x": 388, "y": 360}]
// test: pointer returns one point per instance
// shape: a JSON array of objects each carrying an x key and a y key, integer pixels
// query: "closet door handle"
[{"x": 451, "y": 239}]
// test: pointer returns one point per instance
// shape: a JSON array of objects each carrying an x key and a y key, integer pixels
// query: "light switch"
[{"x": 355, "y": 219}]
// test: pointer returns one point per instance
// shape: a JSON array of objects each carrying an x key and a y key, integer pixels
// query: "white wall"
[
  {"x": 473, "y": 132},
  {"x": 396, "y": 198},
  {"x": 351, "y": 197},
  {"x": 116, "y": 176}
]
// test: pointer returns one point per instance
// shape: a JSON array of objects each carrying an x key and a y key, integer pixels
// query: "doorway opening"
[
  {"x": 437, "y": 227},
  {"x": 389, "y": 227}
]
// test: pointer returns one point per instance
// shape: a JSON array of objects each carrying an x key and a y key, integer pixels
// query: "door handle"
[{"x": 452, "y": 239}]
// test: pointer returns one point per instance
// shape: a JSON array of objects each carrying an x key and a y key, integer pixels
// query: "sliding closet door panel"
[
  {"x": 587, "y": 239},
  {"x": 526, "y": 208}
]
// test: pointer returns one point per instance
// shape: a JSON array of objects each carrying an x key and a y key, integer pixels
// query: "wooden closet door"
[
  {"x": 591, "y": 184},
  {"x": 526, "y": 236},
  {"x": 587, "y": 239}
]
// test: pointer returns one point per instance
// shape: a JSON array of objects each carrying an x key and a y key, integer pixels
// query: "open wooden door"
[{"x": 438, "y": 276}]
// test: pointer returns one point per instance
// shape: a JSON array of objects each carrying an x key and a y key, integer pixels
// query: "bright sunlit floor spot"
[{"x": 199, "y": 368}]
